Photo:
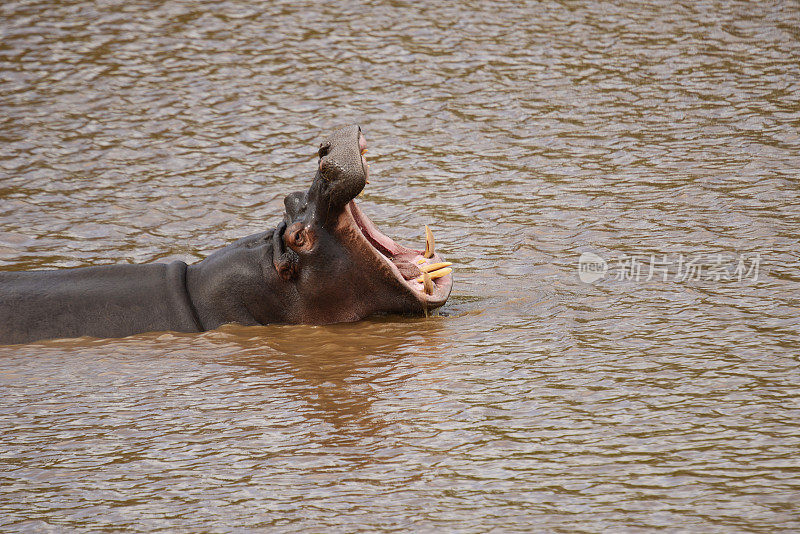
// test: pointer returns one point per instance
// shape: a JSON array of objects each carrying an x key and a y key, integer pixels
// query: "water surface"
[{"x": 525, "y": 135}]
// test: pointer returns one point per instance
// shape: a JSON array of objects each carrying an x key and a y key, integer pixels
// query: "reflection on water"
[
  {"x": 335, "y": 369},
  {"x": 524, "y": 135}
]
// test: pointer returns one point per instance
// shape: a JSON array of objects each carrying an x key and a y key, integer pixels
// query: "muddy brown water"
[{"x": 661, "y": 138}]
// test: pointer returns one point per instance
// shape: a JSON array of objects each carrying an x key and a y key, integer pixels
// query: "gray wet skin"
[{"x": 325, "y": 263}]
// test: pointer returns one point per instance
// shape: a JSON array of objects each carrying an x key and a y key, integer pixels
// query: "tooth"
[
  {"x": 435, "y": 274},
  {"x": 428, "y": 242},
  {"x": 440, "y": 273},
  {"x": 434, "y": 266},
  {"x": 427, "y": 282},
  {"x": 420, "y": 261}
]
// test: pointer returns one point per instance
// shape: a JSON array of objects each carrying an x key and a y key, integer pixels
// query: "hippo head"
[{"x": 334, "y": 263}]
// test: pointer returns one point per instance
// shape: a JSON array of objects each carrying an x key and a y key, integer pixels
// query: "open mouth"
[{"x": 423, "y": 272}]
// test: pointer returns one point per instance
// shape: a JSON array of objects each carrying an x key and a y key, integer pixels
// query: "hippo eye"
[
  {"x": 324, "y": 148},
  {"x": 299, "y": 238}
]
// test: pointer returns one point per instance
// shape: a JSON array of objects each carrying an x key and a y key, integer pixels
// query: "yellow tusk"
[
  {"x": 429, "y": 242},
  {"x": 427, "y": 282},
  {"x": 435, "y": 274},
  {"x": 434, "y": 266}
]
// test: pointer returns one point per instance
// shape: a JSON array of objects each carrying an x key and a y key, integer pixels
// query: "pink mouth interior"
[
  {"x": 377, "y": 239},
  {"x": 405, "y": 262}
]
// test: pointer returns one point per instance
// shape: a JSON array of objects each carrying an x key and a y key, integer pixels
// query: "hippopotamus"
[{"x": 325, "y": 262}]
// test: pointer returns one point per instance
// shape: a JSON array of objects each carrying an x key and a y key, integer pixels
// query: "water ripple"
[{"x": 524, "y": 134}]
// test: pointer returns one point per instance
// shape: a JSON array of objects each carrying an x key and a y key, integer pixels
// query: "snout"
[{"x": 342, "y": 167}]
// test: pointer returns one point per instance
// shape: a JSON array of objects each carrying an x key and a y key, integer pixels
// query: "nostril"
[{"x": 324, "y": 148}]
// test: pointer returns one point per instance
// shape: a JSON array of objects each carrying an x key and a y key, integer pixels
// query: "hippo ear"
[{"x": 287, "y": 265}]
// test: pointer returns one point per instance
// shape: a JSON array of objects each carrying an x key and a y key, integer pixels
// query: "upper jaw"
[
  {"x": 343, "y": 173},
  {"x": 342, "y": 169}
]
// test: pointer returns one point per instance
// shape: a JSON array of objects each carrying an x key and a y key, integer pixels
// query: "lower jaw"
[{"x": 412, "y": 266}]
